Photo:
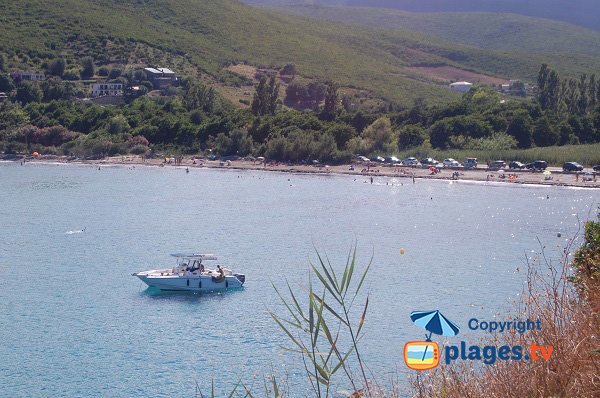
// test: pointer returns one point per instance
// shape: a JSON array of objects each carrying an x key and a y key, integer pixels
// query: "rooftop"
[{"x": 165, "y": 71}]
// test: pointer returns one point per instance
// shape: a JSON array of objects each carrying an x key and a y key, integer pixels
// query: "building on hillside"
[
  {"x": 32, "y": 76},
  {"x": 160, "y": 77},
  {"x": 3, "y": 97},
  {"x": 104, "y": 89},
  {"x": 461, "y": 87}
]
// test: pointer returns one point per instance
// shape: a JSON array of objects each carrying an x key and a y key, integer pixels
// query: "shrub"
[
  {"x": 139, "y": 149},
  {"x": 57, "y": 67}
]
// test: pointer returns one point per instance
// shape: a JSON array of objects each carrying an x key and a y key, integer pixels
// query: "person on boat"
[{"x": 220, "y": 271}]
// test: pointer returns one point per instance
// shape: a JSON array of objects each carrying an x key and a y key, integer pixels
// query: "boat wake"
[{"x": 80, "y": 231}]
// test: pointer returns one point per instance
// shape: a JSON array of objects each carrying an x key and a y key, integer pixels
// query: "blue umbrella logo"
[{"x": 434, "y": 322}]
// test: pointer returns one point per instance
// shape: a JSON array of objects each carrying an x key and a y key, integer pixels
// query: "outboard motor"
[{"x": 240, "y": 277}]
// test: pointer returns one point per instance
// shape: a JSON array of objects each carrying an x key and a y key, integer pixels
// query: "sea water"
[{"x": 74, "y": 322}]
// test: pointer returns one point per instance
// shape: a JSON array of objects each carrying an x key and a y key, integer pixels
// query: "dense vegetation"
[
  {"x": 43, "y": 116},
  {"x": 201, "y": 37},
  {"x": 78, "y": 42}
]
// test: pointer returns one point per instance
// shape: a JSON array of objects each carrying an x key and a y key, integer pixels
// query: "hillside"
[
  {"x": 579, "y": 12},
  {"x": 509, "y": 32},
  {"x": 204, "y": 36}
]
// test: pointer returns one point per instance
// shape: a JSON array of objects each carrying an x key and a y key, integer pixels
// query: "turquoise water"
[{"x": 74, "y": 322}]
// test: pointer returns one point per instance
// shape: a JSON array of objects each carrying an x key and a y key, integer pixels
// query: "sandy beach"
[{"x": 557, "y": 178}]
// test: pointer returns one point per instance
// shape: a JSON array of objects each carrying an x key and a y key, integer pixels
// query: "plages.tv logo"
[{"x": 424, "y": 355}]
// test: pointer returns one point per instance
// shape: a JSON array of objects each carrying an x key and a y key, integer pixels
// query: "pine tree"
[
  {"x": 331, "y": 102},
  {"x": 553, "y": 90},
  {"x": 582, "y": 103},
  {"x": 592, "y": 89},
  {"x": 542, "y": 83},
  {"x": 265, "y": 98},
  {"x": 571, "y": 95}
]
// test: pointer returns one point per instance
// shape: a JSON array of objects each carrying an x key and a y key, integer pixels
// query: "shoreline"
[{"x": 475, "y": 175}]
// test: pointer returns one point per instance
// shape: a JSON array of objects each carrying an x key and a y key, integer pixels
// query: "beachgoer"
[
  {"x": 371, "y": 179},
  {"x": 577, "y": 177}
]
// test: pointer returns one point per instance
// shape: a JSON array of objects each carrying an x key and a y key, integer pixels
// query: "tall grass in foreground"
[
  {"x": 587, "y": 155},
  {"x": 569, "y": 323},
  {"x": 564, "y": 294},
  {"x": 323, "y": 332}
]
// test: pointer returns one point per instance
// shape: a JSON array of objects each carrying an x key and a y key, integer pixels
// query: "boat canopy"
[{"x": 195, "y": 256}]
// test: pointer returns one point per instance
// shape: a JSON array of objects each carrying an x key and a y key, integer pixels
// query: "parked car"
[
  {"x": 537, "y": 165},
  {"x": 497, "y": 165},
  {"x": 411, "y": 162},
  {"x": 429, "y": 162},
  {"x": 470, "y": 163},
  {"x": 572, "y": 166},
  {"x": 363, "y": 159},
  {"x": 379, "y": 159},
  {"x": 516, "y": 165},
  {"x": 450, "y": 163},
  {"x": 392, "y": 160},
  {"x": 596, "y": 167}
]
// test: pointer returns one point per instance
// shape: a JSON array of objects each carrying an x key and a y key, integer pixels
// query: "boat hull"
[{"x": 192, "y": 283}]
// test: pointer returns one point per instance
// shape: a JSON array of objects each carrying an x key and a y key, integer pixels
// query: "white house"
[
  {"x": 103, "y": 89},
  {"x": 461, "y": 87},
  {"x": 34, "y": 76}
]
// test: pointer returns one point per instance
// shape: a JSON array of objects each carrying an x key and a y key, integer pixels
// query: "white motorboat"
[{"x": 190, "y": 274}]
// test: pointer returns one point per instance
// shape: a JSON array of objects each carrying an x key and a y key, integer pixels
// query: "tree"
[
  {"x": 28, "y": 92},
  {"x": 265, "y": 98},
  {"x": 117, "y": 125},
  {"x": 583, "y": 103},
  {"x": 88, "y": 67},
  {"x": 566, "y": 134},
  {"x": 544, "y": 133},
  {"x": 469, "y": 126},
  {"x": 553, "y": 90},
  {"x": 241, "y": 142},
  {"x": 12, "y": 117},
  {"x": 379, "y": 136},
  {"x": 3, "y": 63},
  {"x": 331, "y": 102},
  {"x": 593, "y": 87},
  {"x": 139, "y": 75},
  {"x": 542, "y": 81},
  {"x": 57, "y": 67},
  {"x": 114, "y": 73},
  {"x": 288, "y": 70},
  {"x": 199, "y": 96},
  {"x": 6, "y": 83},
  {"x": 520, "y": 127},
  {"x": 342, "y": 133},
  {"x": 56, "y": 89},
  {"x": 411, "y": 136}
]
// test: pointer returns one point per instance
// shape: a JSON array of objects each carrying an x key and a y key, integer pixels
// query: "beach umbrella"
[
  {"x": 434, "y": 322},
  {"x": 35, "y": 154}
]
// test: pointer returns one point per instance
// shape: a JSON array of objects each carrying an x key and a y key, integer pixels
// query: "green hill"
[
  {"x": 506, "y": 32},
  {"x": 577, "y": 12},
  {"x": 207, "y": 35}
]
